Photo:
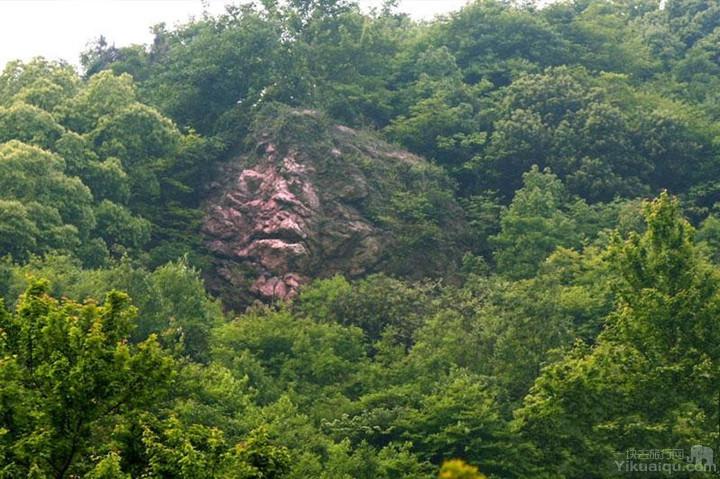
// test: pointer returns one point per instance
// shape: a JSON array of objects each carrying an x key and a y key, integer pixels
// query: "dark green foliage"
[{"x": 378, "y": 305}]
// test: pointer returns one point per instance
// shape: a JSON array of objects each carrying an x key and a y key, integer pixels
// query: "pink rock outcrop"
[
  {"x": 271, "y": 230},
  {"x": 311, "y": 199}
]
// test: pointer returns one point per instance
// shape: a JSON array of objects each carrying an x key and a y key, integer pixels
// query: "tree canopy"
[{"x": 543, "y": 179}]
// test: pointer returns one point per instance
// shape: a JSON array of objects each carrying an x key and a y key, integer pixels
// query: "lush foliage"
[{"x": 559, "y": 319}]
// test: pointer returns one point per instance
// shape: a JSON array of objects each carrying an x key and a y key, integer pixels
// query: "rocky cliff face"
[{"x": 314, "y": 199}]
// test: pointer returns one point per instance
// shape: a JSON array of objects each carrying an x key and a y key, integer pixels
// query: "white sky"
[{"x": 60, "y": 29}]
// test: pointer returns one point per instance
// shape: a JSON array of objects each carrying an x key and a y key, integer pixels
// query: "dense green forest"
[{"x": 530, "y": 288}]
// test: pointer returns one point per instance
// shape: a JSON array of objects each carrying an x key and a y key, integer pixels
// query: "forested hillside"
[{"x": 305, "y": 240}]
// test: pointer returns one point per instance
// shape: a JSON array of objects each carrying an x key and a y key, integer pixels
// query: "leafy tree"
[
  {"x": 144, "y": 174},
  {"x": 257, "y": 458},
  {"x": 49, "y": 209},
  {"x": 41, "y": 83},
  {"x": 119, "y": 228},
  {"x": 376, "y": 304},
  {"x": 108, "y": 468},
  {"x": 496, "y": 41},
  {"x": 691, "y": 20},
  {"x": 68, "y": 376},
  {"x": 104, "y": 94},
  {"x": 19, "y": 232},
  {"x": 277, "y": 350},
  {"x": 605, "y": 36},
  {"x": 442, "y": 121},
  {"x": 460, "y": 419},
  {"x": 29, "y": 124},
  {"x": 534, "y": 225},
  {"x": 708, "y": 235},
  {"x": 172, "y": 301},
  {"x": 649, "y": 378},
  {"x": 179, "y": 303},
  {"x": 598, "y": 135},
  {"x": 240, "y": 53}
]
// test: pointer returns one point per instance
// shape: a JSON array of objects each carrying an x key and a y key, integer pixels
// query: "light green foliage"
[
  {"x": 42, "y": 83},
  {"x": 68, "y": 375},
  {"x": 172, "y": 299},
  {"x": 107, "y": 180},
  {"x": 49, "y": 209},
  {"x": 648, "y": 378},
  {"x": 141, "y": 138},
  {"x": 258, "y": 458},
  {"x": 30, "y": 125},
  {"x": 182, "y": 451},
  {"x": 679, "y": 288},
  {"x": 442, "y": 114},
  {"x": 132, "y": 160},
  {"x": 281, "y": 350},
  {"x": 212, "y": 396},
  {"x": 108, "y": 468},
  {"x": 534, "y": 225},
  {"x": 509, "y": 330},
  {"x": 483, "y": 220},
  {"x": 79, "y": 398},
  {"x": 178, "y": 301},
  {"x": 458, "y": 419},
  {"x": 103, "y": 96}
]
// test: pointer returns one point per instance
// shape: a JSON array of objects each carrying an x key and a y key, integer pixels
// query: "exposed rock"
[{"x": 313, "y": 200}]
